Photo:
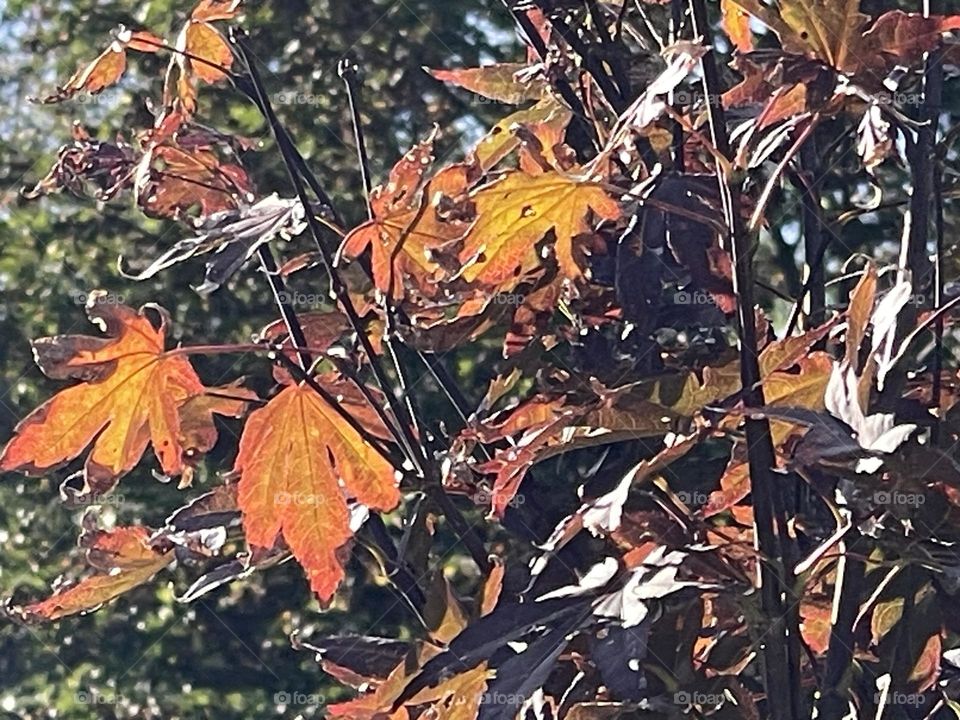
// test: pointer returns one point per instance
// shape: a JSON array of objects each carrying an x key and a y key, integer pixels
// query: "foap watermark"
[
  {"x": 298, "y": 499},
  {"x": 481, "y": 100},
  {"x": 491, "y": 497},
  {"x": 503, "y": 699},
  {"x": 298, "y": 698},
  {"x": 295, "y": 98},
  {"x": 97, "y": 697},
  {"x": 899, "y": 698},
  {"x": 105, "y": 99},
  {"x": 98, "y": 298},
  {"x": 901, "y": 99},
  {"x": 693, "y": 497},
  {"x": 693, "y": 297},
  {"x": 83, "y": 500},
  {"x": 299, "y": 299},
  {"x": 686, "y": 698},
  {"x": 895, "y": 497},
  {"x": 695, "y": 97},
  {"x": 511, "y": 299}
]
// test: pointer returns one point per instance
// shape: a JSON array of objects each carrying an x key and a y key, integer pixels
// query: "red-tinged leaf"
[
  {"x": 502, "y": 139},
  {"x": 299, "y": 462},
  {"x": 377, "y": 704},
  {"x": 838, "y": 34},
  {"x": 734, "y": 487},
  {"x": 88, "y": 167},
  {"x": 141, "y": 40},
  {"x": 320, "y": 329},
  {"x": 198, "y": 433},
  {"x": 109, "y": 66},
  {"x": 511, "y": 83},
  {"x": 816, "y": 624},
  {"x": 545, "y": 427},
  {"x": 516, "y": 213},
  {"x": 123, "y": 560},
  {"x": 129, "y": 396},
  {"x": 407, "y": 228},
  {"x": 172, "y": 181},
  {"x": 905, "y": 37},
  {"x": 492, "y": 586},
  {"x": 532, "y": 315},
  {"x": 456, "y": 698},
  {"x": 927, "y": 668},
  {"x": 824, "y": 29}
]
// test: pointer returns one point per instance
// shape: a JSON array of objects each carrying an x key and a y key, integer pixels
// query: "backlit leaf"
[
  {"x": 128, "y": 397},
  {"x": 407, "y": 228},
  {"x": 299, "y": 462},
  {"x": 123, "y": 560}
]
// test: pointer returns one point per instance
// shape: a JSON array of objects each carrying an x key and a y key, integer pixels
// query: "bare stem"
[{"x": 781, "y": 651}]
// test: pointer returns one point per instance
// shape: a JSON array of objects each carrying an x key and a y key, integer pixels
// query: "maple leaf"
[
  {"x": 129, "y": 396},
  {"x": 88, "y": 167},
  {"x": 122, "y": 559},
  {"x": 407, "y": 226},
  {"x": 502, "y": 139},
  {"x": 736, "y": 23},
  {"x": 108, "y": 67},
  {"x": 516, "y": 212},
  {"x": 198, "y": 433},
  {"x": 299, "y": 462},
  {"x": 320, "y": 330},
  {"x": 202, "y": 40},
  {"x": 546, "y": 426}
]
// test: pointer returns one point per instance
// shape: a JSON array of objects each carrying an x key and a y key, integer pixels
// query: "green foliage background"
[{"x": 227, "y": 655}]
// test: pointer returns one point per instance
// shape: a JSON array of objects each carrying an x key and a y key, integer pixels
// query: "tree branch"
[{"x": 781, "y": 652}]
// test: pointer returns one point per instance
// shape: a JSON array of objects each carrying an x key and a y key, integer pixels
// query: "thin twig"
[
  {"x": 269, "y": 264},
  {"x": 348, "y": 73},
  {"x": 833, "y": 703}
]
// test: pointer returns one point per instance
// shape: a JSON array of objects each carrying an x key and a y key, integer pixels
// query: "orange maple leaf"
[
  {"x": 123, "y": 560},
  {"x": 108, "y": 67},
  {"x": 129, "y": 396},
  {"x": 299, "y": 463},
  {"x": 407, "y": 227}
]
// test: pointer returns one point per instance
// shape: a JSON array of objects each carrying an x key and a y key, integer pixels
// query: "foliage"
[{"x": 667, "y": 507}]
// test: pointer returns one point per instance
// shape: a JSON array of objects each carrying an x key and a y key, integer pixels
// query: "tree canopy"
[{"x": 552, "y": 359}]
